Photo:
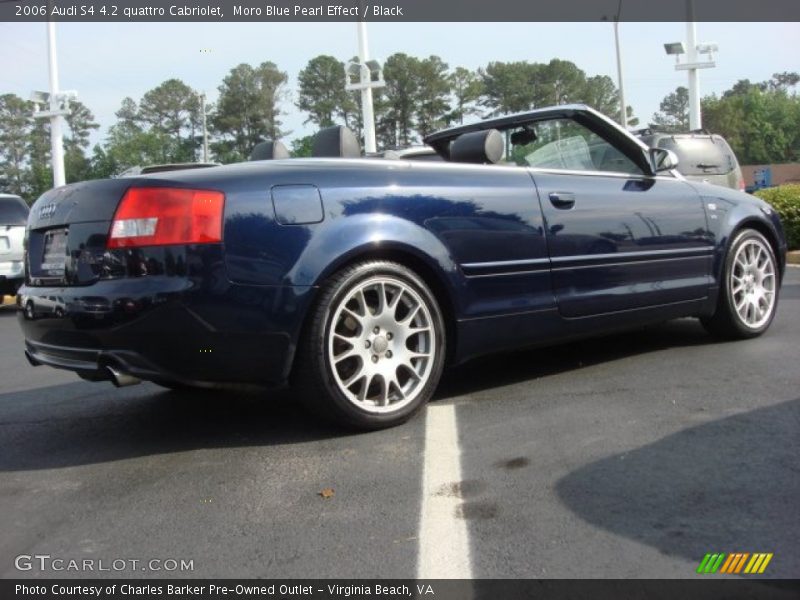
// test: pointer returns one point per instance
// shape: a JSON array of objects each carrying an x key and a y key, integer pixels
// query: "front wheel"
[
  {"x": 748, "y": 290},
  {"x": 374, "y": 350}
]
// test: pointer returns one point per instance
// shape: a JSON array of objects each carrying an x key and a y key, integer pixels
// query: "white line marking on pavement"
[{"x": 443, "y": 536}]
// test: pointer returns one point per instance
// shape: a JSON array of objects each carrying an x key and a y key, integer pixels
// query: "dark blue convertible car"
[{"x": 357, "y": 280}]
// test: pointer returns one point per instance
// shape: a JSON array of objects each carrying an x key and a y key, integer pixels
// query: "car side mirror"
[{"x": 663, "y": 160}]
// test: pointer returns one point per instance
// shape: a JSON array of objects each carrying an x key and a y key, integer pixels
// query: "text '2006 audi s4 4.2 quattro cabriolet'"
[{"x": 356, "y": 280}]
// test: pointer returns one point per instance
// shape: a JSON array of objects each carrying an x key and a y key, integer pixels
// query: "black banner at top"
[{"x": 133, "y": 11}]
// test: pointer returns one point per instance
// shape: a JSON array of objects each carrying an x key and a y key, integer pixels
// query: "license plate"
[{"x": 55, "y": 251}]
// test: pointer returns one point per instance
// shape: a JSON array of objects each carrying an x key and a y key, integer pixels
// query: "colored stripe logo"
[{"x": 735, "y": 563}]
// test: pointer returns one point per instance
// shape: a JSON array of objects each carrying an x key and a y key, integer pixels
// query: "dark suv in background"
[{"x": 701, "y": 156}]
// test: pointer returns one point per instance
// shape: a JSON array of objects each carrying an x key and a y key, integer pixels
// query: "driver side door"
[{"x": 618, "y": 238}]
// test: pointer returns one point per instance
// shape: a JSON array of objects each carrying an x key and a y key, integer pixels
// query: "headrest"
[
  {"x": 269, "y": 150},
  {"x": 478, "y": 147},
  {"x": 336, "y": 141}
]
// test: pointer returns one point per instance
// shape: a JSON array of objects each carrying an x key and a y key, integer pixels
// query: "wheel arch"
[
  {"x": 765, "y": 230},
  {"x": 426, "y": 267}
]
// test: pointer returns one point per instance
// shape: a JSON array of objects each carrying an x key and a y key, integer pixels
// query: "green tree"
[
  {"x": 102, "y": 163},
  {"x": 600, "y": 93},
  {"x": 760, "y": 122},
  {"x": 512, "y": 87},
  {"x": 40, "y": 172},
  {"x": 561, "y": 82},
  {"x": 80, "y": 124},
  {"x": 467, "y": 88},
  {"x": 784, "y": 81},
  {"x": 15, "y": 128},
  {"x": 395, "y": 106},
  {"x": 432, "y": 98},
  {"x": 321, "y": 92},
  {"x": 173, "y": 108},
  {"x": 674, "y": 112},
  {"x": 248, "y": 110},
  {"x": 301, "y": 147},
  {"x": 130, "y": 142}
]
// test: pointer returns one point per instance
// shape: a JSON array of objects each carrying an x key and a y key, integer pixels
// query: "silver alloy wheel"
[
  {"x": 381, "y": 344},
  {"x": 752, "y": 283}
]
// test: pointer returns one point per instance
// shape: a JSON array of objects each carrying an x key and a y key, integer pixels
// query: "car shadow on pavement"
[
  {"x": 83, "y": 423},
  {"x": 86, "y": 423},
  {"x": 520, "y": 365},
  {"x": 729, "y": 485}
]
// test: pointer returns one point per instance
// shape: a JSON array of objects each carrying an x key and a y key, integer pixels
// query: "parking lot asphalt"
[{"x": 625, "y": 456}]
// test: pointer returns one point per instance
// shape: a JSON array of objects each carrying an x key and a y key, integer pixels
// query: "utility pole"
[
  {"x": 58, "y": 103},
  {"x": 364, "y": 70},
  {"x": 695, "y": 121},
  {"x": 205, "y": 129},
  {"x": 692, "y": 64},
  {"x": 366, "y": 91},
  {"x": 56, "y": 120},
  {"x": 623, "y": 108}
]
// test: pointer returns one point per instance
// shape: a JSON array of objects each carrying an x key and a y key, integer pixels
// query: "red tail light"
[
  {"x": 162, "y": 216},
  {"x": 742, "y": 185}
]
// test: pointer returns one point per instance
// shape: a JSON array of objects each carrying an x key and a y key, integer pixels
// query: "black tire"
[
  {"x": 320, "y": 384},
  {"x": 727, "y": 322}
]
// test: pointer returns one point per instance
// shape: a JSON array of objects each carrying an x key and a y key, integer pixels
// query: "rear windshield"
[
  {"x": 13, "y": 211},
  {"x": 700, "y": 155}
]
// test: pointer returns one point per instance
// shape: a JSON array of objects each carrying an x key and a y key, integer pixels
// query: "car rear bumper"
[
  {"x": 10, "y": 285},
  {"x": 165, "y": 330},
  {"x": 12, "y": 273}
]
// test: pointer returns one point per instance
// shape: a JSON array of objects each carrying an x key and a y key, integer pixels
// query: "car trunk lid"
[{"x": 68, "y": 230}]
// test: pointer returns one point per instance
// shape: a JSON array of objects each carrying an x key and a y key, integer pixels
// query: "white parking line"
[{"x": 443, "y": 536}]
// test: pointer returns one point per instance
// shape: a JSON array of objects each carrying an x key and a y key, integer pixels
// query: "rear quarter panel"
[
  {"x": 447, "y": 216},
  {"x": 477, "y": 230}
]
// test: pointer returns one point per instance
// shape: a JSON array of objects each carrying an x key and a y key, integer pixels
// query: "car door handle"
[{"x": 562, "y": 200}]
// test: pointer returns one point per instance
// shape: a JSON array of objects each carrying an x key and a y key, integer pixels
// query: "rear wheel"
[
  {"x": 749, "y": 289},
  {"x": 374, "y": 350}
]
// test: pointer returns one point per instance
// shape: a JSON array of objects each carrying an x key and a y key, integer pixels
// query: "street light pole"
[
  {"x": 366, "y": 90},
  {"x": 56, "y": 118}
]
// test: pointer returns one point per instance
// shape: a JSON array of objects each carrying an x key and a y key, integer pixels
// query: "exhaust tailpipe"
[{"x": 120, "y": 379}]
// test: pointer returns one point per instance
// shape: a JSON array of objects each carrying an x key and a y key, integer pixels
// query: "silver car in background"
[
  {"x": 13, "y": 218},
  {"x": 705, "y": 157}
]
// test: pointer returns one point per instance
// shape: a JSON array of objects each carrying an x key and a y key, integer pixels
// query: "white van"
[{"x": 13, "y": 218}]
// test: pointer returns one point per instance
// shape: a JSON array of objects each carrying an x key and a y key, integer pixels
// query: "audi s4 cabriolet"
[{"x": 358, "y": 280}]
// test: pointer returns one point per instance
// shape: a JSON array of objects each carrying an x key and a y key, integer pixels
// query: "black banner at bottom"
[{"x": 384, "y": 589}]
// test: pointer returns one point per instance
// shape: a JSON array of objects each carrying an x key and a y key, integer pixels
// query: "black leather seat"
[
  {"x": 336, "y": 141},
  {"x": 270, "y": 150},
  {"x": 482, "y": 147}
]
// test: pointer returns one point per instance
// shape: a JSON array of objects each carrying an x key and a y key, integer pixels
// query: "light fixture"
[
  {"x": 707, "y": 48},
  {"x": 674, "y": 48}
]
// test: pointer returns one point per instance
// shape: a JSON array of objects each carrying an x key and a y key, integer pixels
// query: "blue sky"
[{"x": 106, "y": 62}]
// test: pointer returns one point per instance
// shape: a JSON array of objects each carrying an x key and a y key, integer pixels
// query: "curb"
[{"x": 793, "y": 258}]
